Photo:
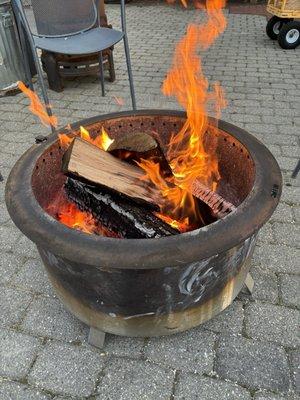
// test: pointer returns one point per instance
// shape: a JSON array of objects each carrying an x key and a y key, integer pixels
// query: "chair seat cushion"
[{"x": 91, "y": 41}]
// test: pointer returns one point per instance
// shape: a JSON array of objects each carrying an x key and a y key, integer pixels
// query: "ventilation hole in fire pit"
[
  {"x": 152, "y": 123},
  {"x": 130, "y": 125},
  {"x": 44, "y": 160},
  {"x": 51, "y": 153},
  {"x": 174, "y": 125},
  {"x": 164, "y": 124},
  {"x": 142, "y": 123},
  {"x": 59, "y": 147},
  {"x": 225, "y": 139},
  {"x": 233, "y": 144},
  {"x": 120, "y": 126},
  {"x": 36, "y": 167},
  {"x": 108, "y": 128},
  {"x": 241, "y": 150}
]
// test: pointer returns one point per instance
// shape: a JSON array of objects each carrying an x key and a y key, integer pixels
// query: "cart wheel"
[
  {"x": 274, "y": 25},
  {"x": 289, "y": 35}
]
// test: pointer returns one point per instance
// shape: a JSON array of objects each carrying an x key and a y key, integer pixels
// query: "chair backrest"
[{"x": 64, "y": 17}]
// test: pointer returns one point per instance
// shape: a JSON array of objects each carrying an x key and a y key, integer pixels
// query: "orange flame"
[
  {"x": 36, "y": 107},
  {"x": 71, "y": 216},
  {"x": 68, "y": 214},
  {"x": 102, "y": 141},
  {"x": 187, "y": 151}
]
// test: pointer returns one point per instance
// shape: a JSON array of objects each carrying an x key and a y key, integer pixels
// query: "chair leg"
[
  {"x": 128, "y": 62},
  {"x": 25, "y": 55},
  {"x": 42, "y": 85},
  {"x": 101, "y": 73}
]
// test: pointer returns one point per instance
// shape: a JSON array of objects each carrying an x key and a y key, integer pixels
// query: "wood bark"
[{"x": 116, "y": 212}]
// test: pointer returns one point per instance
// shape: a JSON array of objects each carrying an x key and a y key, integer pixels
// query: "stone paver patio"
[{"x": 251, "y": 351}]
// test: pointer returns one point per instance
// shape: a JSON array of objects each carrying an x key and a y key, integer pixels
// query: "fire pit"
[{"x": 148, "y": 287}]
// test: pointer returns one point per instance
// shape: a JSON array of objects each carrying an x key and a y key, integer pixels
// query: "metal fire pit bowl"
[{"x": 148, "y": 287}]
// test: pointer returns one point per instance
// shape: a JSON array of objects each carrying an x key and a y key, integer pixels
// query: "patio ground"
[{"x": 250, "y": 351}]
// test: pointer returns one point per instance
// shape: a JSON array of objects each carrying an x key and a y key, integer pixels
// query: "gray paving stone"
[
  {"x": 9, "y": 264},
  {"x": 272, "y": 323},
  {"x": 66, "y": 369},
  {"x": 229, "y": 320},
  {"x": 191, "y": 351},
  {"x": 125, "y": 379},
  {"x": 18, "y": 391},
  {"x": 290, "y": 151},
  {"x": 254, "y": 364},
  {"x": 272, "y": 396},
  {"x": 8, "y": 236},
  {"x": 295, "y": 368},
  {"x": 17, "y": 352},
  {"x": 296, "y": 212},
  {"x": 291, "y": 194},
  {"x": 13, "y": 304},
  {"x": 123, "y": 346},
  {"x": 47, "y": 317},
  {"x": 266, "y": 234},
  {"x": 194, "y": 387},
  {"x": 283, "y": 213},
  {"x": 26, "y": 247},
  {"x": 4, "y": 216},
  {"x": 288, "y": 234},
  {"x": 32, "y": 276},
  {"x": 265, "y": 285},
  {"x": 278, "y": 258},
  {"x": 290, "y": 289}
]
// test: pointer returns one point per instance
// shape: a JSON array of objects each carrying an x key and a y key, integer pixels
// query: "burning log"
[
  {"x": 218, "y": 205},
  {"x": 117, "y": 213},
  {"x": 138, "y": 142},
  {"x": 87, "y": 161}
]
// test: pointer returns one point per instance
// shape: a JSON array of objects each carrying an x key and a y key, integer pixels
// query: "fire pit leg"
[
  {"x": 96, "y": 338},
  {"x": 249, "y": 282}
]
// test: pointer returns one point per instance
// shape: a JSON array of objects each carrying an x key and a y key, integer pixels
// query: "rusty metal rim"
[{"x": 220, "y": 236}]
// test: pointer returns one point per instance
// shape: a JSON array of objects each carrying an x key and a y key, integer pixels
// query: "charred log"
[{"x": 116, "y": 212}]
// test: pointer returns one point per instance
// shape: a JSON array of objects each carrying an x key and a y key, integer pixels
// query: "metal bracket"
[
  {"x": 96, "y": 338},
  {"x": 249, "y": 282},
  {"x": 40, "y": 139}
]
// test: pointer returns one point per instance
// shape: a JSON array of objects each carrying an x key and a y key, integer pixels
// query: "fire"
[
  {"x": 182, "y": 226},
  {"x": 102, "y": 141},
  {"x": 68, "y": 214},
  {"x": 36, "y": 107},
  {"x": 187, "y": 151},
  {"x": 71, "y": 216}
]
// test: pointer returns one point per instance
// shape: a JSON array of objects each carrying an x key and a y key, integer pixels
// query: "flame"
[
  {"x": 68, "y": 214},
  {"x": 36, "y": 107},
  {"x": 102, "y": 141},
  {"x": 71, "y": 216},
  {"x": 182, "y": 226},
  {"x": 190, "y": 158}
]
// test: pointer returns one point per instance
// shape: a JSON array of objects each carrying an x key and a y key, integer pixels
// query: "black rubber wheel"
[
  {"x": 289, "y": 35},
  {"x": 274, "y": 26}
]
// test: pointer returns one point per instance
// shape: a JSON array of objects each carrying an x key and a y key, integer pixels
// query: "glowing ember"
[
  {"x": 186, "y": 151},
  {"x": 68, "y": 214},
  {"x": 71, "y": 216}
]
